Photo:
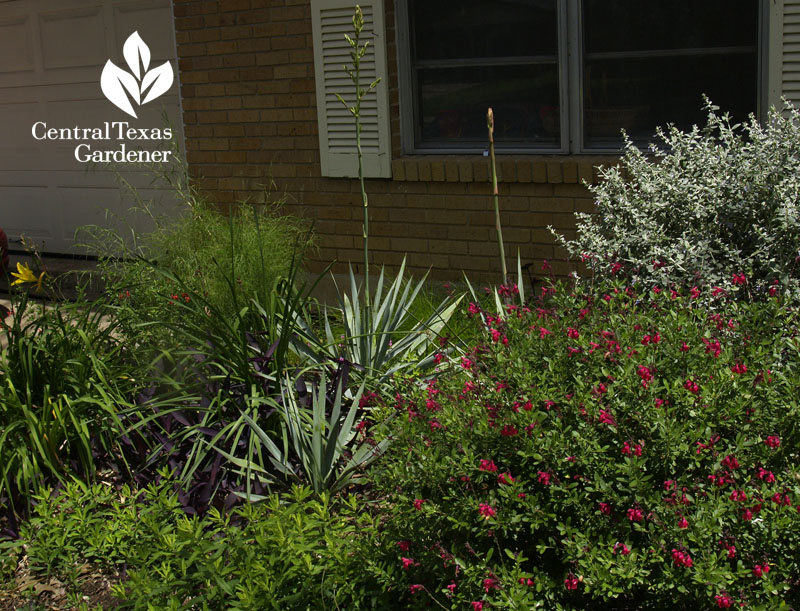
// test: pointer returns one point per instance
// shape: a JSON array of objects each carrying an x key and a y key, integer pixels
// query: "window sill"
[{"x": 555, "y": 169}]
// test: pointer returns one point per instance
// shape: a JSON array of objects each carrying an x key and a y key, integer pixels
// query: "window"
[{"x": 568, "y": 75}]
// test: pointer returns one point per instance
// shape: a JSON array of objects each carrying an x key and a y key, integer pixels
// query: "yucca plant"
[{"x": 320, "y": 439}]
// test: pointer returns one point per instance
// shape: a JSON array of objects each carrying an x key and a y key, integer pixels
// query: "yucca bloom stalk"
[
  {"x": 354, "y": 73},
  {"x": 490, "y": 125}
]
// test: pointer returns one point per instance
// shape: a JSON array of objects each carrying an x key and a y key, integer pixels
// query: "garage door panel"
[
  {"x": 153, "y": 21},
  {"x": 114, "y": 209},
  {"x": 52, "y": 54},
  {"x": 82, "y": 28},
  {"x": 17, "y": 148},
  {"x": 29, "y": 210},
  {"x": 16, "y": 45}
]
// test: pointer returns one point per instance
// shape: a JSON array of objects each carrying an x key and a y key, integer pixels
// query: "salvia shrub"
[
  {"x": 602, "y": 451},
  {"x": 716, "y": 206}
]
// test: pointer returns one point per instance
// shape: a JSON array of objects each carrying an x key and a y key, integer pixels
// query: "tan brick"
[
  {"x": 226, "y": 103},
  {"x": 451, "y": 170},
  {"x": 467, "y": 233},
  {"x": 398, "y": 169},
  {"x": 290, "y": 72},
  {"x": 227, "y": 131},
  {"x": 425, "y": 172},
  {"x": 585, "y": 171},
  {"x": 465, "y": 171},
  {"x": 253, "y": 45},
  {"x": 411, "y": 170},
  {"x": 570, "y": 190},
  {"x": 222, "y": 47},
  {"x": 570, "y": 171},
  {"x": 297, "y": 41},
  {"x": 539, "y": 171},
  {"x": 524, "y": 171},
  {"x": 243, "y": 116},
  {"x": 481, "y": 171},
  {"x": 554, "y": 172},
  {"x": 229, "y": 157},
  {"x": 509, "y": 170},
  {"x": 437, "y": 170}
]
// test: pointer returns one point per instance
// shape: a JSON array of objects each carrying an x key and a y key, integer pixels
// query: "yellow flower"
[{"x": 25, "y": 274}]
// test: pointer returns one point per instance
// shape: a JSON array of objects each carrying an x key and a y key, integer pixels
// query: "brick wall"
[{"x": 247, "y": 84}]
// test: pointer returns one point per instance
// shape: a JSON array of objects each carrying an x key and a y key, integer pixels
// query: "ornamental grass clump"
[
  {"x": 716, "y": 206},
  {"x": 606, "y": 450}
]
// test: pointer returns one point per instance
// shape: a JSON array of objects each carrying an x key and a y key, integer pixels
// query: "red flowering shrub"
[{"x": 583, "y": 468}]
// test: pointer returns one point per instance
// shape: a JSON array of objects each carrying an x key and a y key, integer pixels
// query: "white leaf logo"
[{"x": 118, "y": 85}]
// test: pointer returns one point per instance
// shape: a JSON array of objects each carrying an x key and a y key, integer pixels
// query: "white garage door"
[{"x": 52, "y": 55}]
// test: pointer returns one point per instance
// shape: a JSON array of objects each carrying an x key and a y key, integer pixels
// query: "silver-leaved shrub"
[{"x": 715, "y": 206}]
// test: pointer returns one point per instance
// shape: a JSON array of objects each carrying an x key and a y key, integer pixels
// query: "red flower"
[
  {"x": 408, "y": 563},
  {"x": 490, "y": 583},
  {"x": 573, "y": 333},
  {"x": 488, "y": 465},
  {"x": 760, "y": 570},
  {"x": 680, "y": 558},
  {"x": 739, "y": 279},
  {"x": 416, "y": 587},
  {"x": 605, "y": 508},
  {"x": 635, "y": 515},
  {"x": 544, "y": 478},
  {"x": 606, "y": 418},
  {"x": 509, "y": 431},
  {"x": 404, "y": 545},
  {"x": 765, "y": 475},
  {"x": 683, "y": 523},
  {"x": 739, "y": 368},
  {"x": 477, "y": 605},
  {"x": 486, "y": 511},
  {"x": 466, "y": 363},
  {"x": 418, "y": 504},
  {"x": 738, "y": 496},
  {"x": 505, "y": 478},
  {"x": 691, "y": 386},
  {"x": 621, "y": 548},
  {"x": 571, "y": 583},
  {"x": 773, "y": 441},
  {"x": 684, "y": 347},
  {"x": 723, "y": 601},
  {"x": 730, "y": 462}
]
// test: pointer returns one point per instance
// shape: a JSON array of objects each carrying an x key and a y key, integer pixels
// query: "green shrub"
[
  {"x": 716, "y": 206},
  {"x": 297, "y": 552},
  {"x": 602, "y": 451}
]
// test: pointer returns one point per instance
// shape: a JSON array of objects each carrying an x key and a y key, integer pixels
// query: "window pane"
[
  {"x": 444, "y": 29},
  {"x": 640, "y": 94},
  {"x": 641, "y": 25},
  {"x": 646, "y": 64},
  {"x": 453, "y": 104}
]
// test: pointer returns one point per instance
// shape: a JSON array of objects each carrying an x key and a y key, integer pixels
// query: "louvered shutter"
[
  {"x": 331, "y": 20},
  {"x": 791, "y": 51}
]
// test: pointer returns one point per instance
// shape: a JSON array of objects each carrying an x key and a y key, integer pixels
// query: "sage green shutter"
[
  {"x": 331, "y": 20},
  {"x": 790, "y": 78}
]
